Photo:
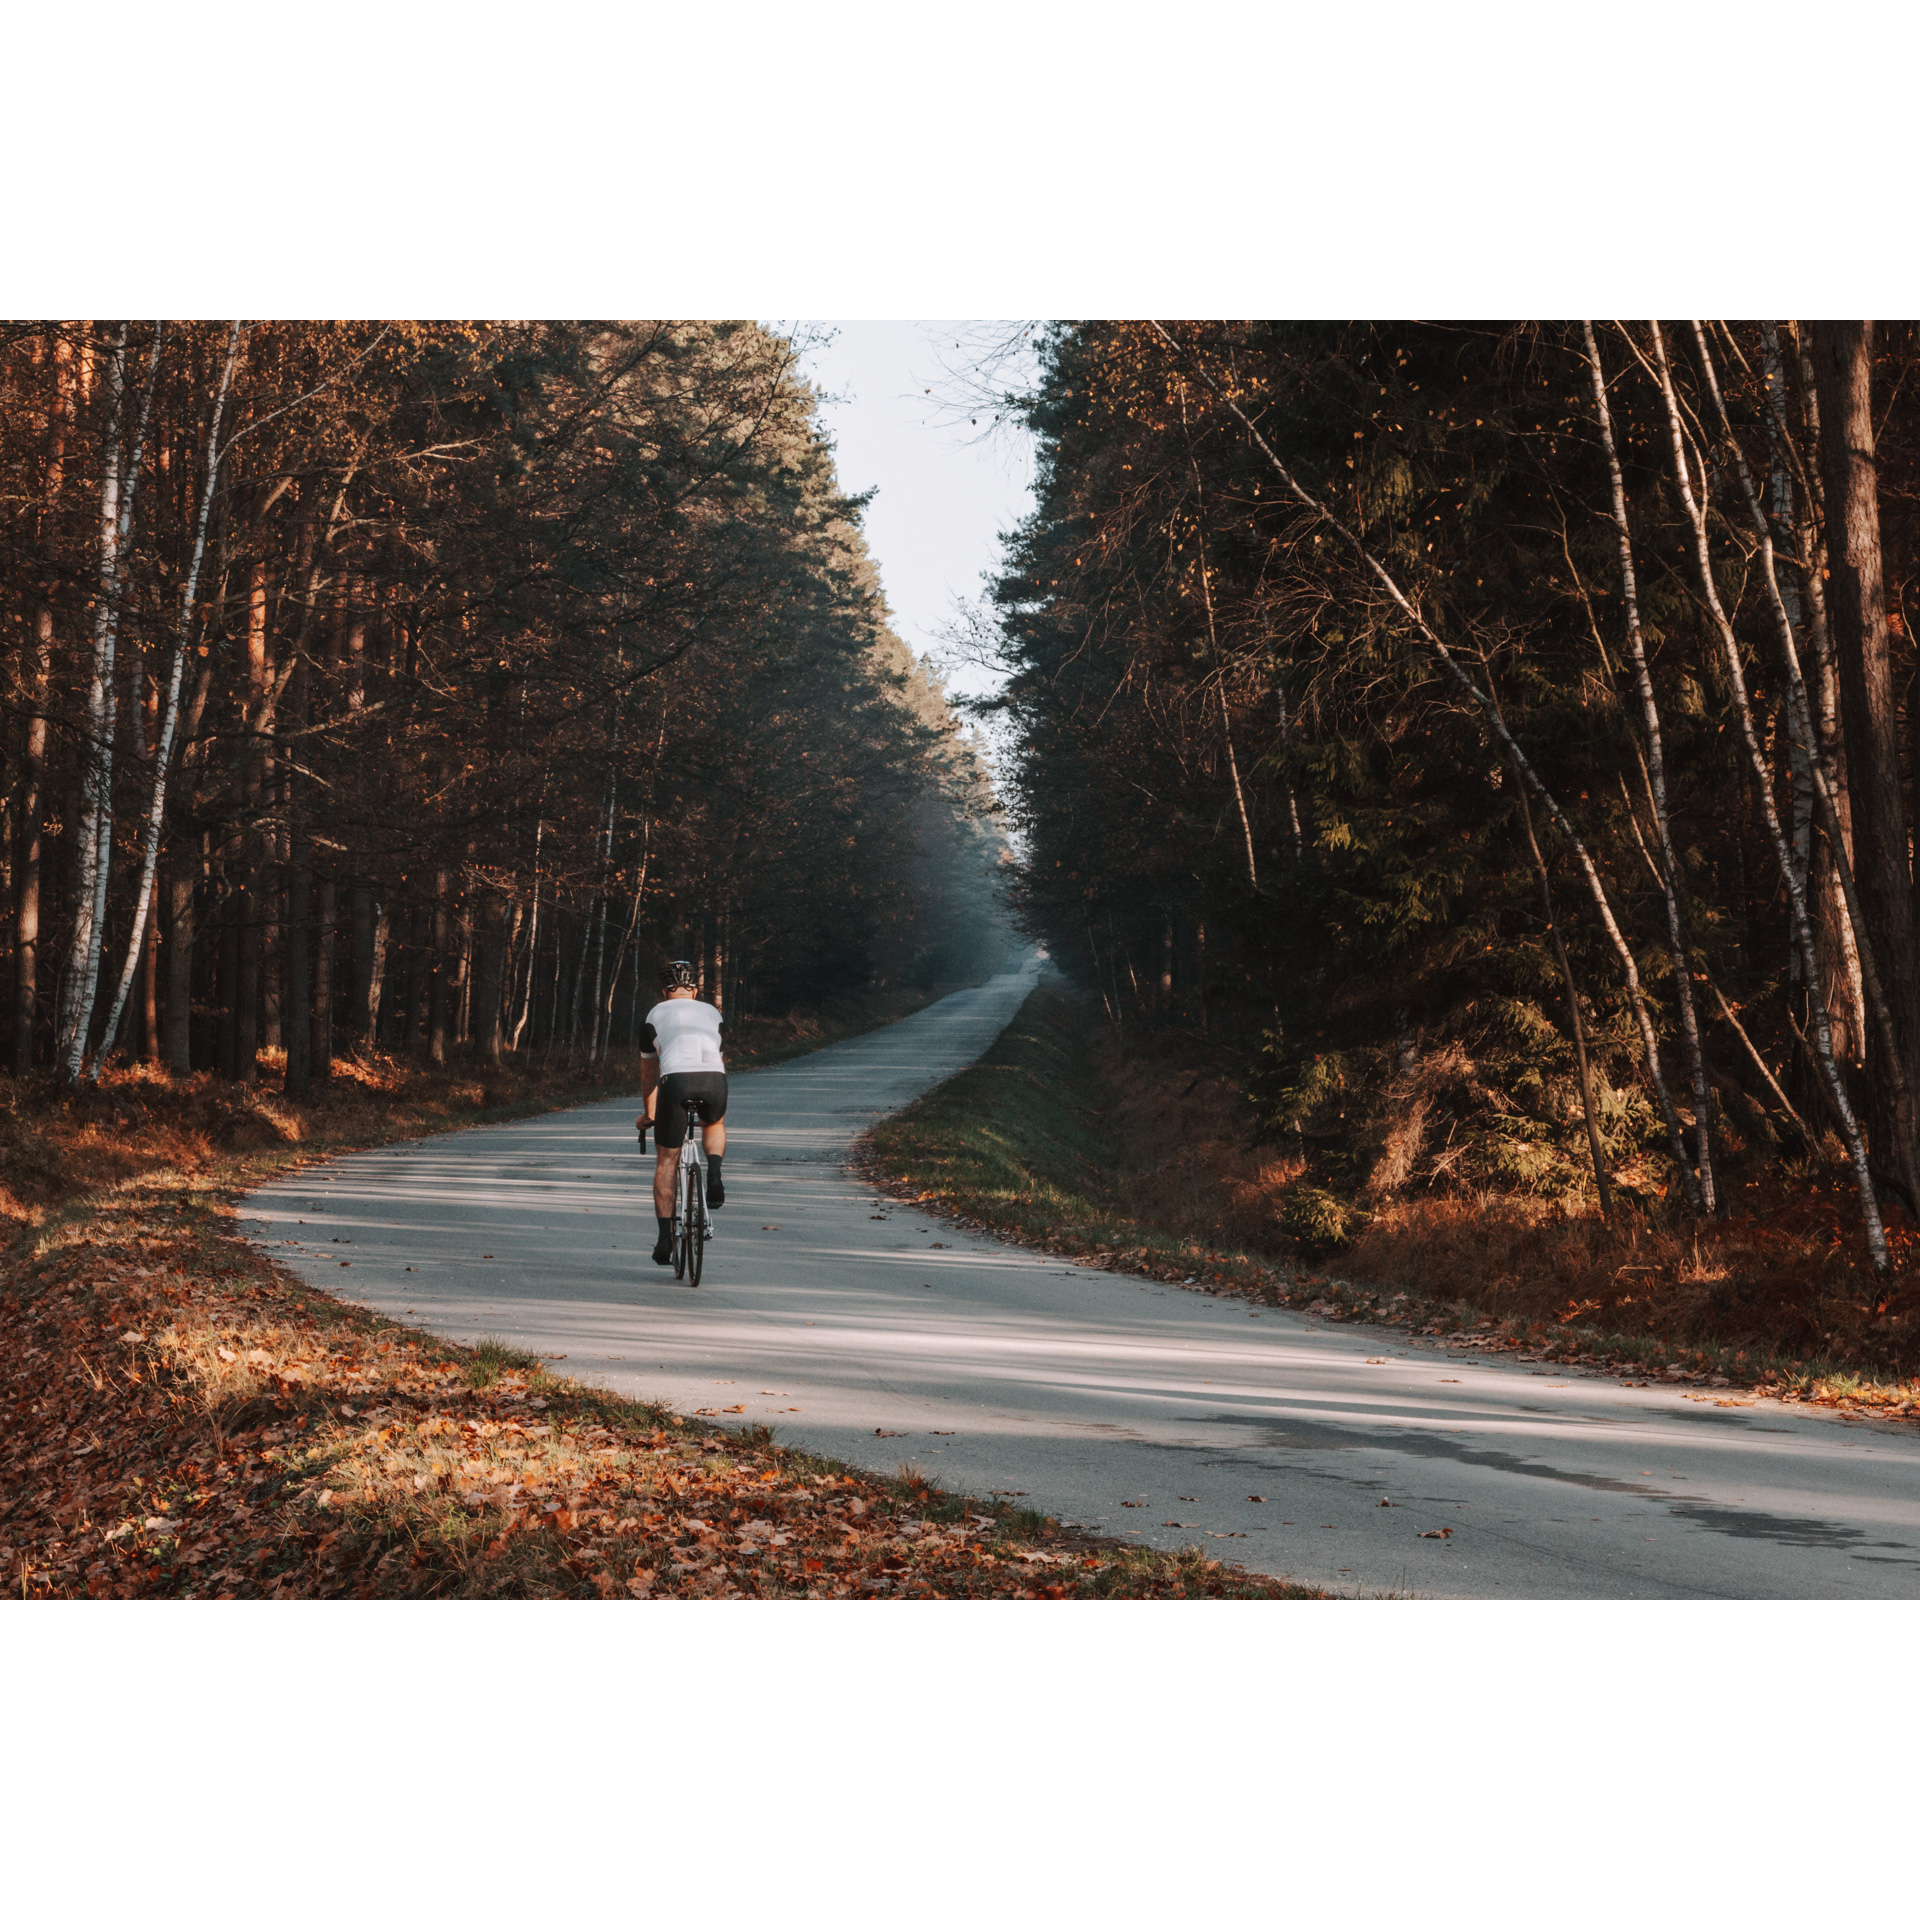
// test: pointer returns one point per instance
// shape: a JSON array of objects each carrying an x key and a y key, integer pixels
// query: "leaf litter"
[{"x": 178, "y": 1418}]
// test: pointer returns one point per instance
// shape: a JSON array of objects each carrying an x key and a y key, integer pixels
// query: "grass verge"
[
  {"x": 180, "y": 1418},
  {"x": 1140, "y": 1164}
]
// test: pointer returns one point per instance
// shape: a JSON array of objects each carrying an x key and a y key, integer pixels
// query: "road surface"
[{"x": 1144, "y": 1410}]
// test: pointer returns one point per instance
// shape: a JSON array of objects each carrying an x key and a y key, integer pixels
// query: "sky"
[{"x": 890, "y": 403}]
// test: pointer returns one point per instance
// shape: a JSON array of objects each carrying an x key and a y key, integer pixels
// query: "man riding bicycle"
[{"x": 680, "y": 1063}]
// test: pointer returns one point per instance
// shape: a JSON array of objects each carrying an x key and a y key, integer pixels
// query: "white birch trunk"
[
  {"x": 118, "y": 490},
  {"x": 163, "y": 753},
  {"x": 87, "y": 853},
  {"x": 599, "y": 923},
  {"x": 1669, "y": 867},
  {"x": 1783, "y": 853},
  {"x": 1780, "y": 490},
  {"x": 533, "y": 939}
]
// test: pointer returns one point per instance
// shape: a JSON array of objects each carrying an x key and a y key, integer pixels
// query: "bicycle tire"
[
  {"x": 679, "y": 1220},
  {"x": 696, "y": 1230},
  {"x": 691, "y": 1235},
  {"x": 692, "y": 1192}
]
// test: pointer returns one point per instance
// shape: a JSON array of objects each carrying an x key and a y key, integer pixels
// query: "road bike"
[{"x": 692, "y": 1228}]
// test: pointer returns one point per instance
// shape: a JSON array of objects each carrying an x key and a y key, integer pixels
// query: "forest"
[
  {"x": 418, "y": 686},
  {"x": 1496, "y": 743}
]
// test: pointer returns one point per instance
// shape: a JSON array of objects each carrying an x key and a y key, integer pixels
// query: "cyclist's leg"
[
  {"x": 713, "y": 1114},
  {"x": 670, "y": 1126},
  {"x": 666, "y": 1165}
]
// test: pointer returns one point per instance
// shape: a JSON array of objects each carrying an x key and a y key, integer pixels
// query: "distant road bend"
[{"x": 1140, "y": 1409}]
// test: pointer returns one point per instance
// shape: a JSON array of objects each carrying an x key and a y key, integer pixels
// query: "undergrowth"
[{"x": 1145, "y": 1161}]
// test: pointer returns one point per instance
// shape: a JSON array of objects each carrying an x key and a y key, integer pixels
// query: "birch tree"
[
  {"x": 118, "y": 490},
  {"x": 1693, "y": 500},
  {"x": 176, "y": 674}
]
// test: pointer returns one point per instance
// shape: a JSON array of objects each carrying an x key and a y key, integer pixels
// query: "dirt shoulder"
[
  {"x": 1140, "y": 1164},
  {"x": 180, "y": 1418}
]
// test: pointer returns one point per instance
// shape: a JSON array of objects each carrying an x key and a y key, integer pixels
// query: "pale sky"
[{"x": 933, "y": 526}]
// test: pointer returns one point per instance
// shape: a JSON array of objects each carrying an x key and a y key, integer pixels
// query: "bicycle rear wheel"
[
  {"x": 680, "y": 1220},
  {"x": 693, "y": 1219}
]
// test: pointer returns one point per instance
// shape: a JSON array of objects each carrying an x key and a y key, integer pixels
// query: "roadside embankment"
[{"x": 1141, "y": 1162}]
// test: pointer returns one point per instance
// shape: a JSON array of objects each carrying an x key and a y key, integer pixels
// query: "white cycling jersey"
[{"x": 686, "y": 1036}]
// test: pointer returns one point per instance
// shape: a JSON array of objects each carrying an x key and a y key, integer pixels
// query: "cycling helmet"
[{"x": 676, "y": 975}]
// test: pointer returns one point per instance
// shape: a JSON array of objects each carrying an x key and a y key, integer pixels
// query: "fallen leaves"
[
  {"x": 254, "y": 1437},
  {"x": 1438, "y": 1533}
]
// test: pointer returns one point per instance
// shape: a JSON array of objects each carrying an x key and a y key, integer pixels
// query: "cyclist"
[{"x": 680, "y": 1062}]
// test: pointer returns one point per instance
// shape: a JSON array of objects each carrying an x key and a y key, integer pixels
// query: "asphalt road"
[{"x": 878, "y": 1335}]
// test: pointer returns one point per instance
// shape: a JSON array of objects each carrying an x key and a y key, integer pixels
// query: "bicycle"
[{"x": 692, "y": 1226}]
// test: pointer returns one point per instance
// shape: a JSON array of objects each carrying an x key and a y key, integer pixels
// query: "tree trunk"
[
  {"x": 74, "y": 1008},
  {"x": 150, "y": 995},
  {"x": 462, "y": 988},
  {"x": 179, "y": 945},
  {"x": 533, "y": 939},
  {"x": 232, "y": 911},
  {"x": 298, "y": 1028},
  {"x": 1857, "y": 611},
  {"x": 246, "y": 986},
  {"x": 90, "y": 923},
  {"x": 490, "y": 977},
  {"x": 412, "y": 1017},
  {"x": 26, "y": 931},
  {"x": 1792, "y": 878},
  {"x": 441, "y": 968},
  {"x": 377, "y": 967},
  {"x": 28, "y": 836},
  {"x": 360, "y": 1001},
  {"x": 163, "y": 746},
  {"x": 320, "y": 1042},
  {"x": 1701, "y": 1180}
]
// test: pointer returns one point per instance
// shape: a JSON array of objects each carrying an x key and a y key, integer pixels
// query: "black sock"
[
  {"x": 664, "y": 1221},
  {"x": 713, "y": 1165}
]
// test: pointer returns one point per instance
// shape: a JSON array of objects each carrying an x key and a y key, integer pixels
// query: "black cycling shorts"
[{"x": 707, "y": 1091}]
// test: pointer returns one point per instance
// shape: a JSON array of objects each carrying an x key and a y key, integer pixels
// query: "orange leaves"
[{"x": 270, "y": 1443}]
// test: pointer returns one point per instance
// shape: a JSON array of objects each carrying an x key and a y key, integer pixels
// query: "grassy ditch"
[
  {"x": 180, "y": 1418},
  {"x": 1141, "y": 1163}
]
